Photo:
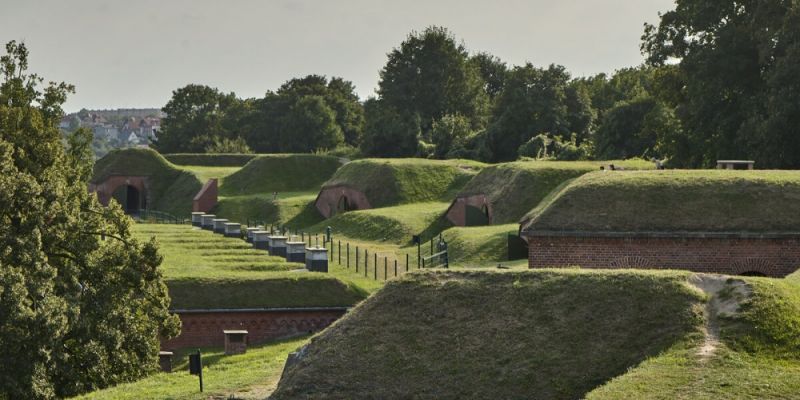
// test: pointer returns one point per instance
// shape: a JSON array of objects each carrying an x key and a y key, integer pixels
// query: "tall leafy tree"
[
  {"x": 196, "y": 116},
  {"x": 309, "y": 125},
  {"x": 82, "y": 303},
  {"x": 389, "y": 132},
  {"x": 533, "y": 101},
  {"x": 739, "y": 81},
  {"x": 430, "y": 75}
]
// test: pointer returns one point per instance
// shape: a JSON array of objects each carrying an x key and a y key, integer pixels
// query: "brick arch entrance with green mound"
[
  {"x": 338, "y": 199},
  {"x": 105, "y": 189},
  {"x": 475, "y": 210}
]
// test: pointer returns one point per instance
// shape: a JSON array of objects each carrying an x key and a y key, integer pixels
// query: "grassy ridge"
[
  {"x": 708, "y": 200},
  {"x": 280, "y": 173},
  {"x": 171, "y": 188},
  {"x": 210, "y": 160},
  {"x": 542, "y": 334},
  {"x": 388, "y": 182},
  {"x": 203, "y": 270},
  {"x": 389, "y": 224},
  {"x": 477, "y": 246},
  {"x": 517, "y": 187}
]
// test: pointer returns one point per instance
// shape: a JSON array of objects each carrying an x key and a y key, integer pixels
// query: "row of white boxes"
[{"x": 294, "y": 250}]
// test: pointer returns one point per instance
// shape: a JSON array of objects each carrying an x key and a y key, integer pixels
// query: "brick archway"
[
  {"x": 105, "y": 189},
  {"x": 459, "y": 209}
]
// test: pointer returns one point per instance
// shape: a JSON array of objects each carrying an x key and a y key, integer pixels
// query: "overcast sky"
[{"x": 134, "y": 53}]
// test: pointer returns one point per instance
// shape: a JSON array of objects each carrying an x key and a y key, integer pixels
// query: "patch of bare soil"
[{"x": 725, "y": 296}]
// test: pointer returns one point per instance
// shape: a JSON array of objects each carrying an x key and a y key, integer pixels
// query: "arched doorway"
[
  {"x": 475, "y": 216},
  {"x": 343, "y": 205},
  {"x": 754, "y": 273},
  {"x": 130, "y": 198}
]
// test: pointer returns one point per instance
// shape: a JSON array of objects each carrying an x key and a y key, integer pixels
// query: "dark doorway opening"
[
  {"x": 476, "y": 216},
  {"x": 753, "y": 273},
  {"x": 343, "y": 205},
  {"x": 130, "y": 198}
]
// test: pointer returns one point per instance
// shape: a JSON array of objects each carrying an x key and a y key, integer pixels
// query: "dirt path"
[{"x": 725, "y": 295}]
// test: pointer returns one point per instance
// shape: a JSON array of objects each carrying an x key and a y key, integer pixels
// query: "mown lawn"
[
  {"x": 252, "y": 375},
  {"x": 205, "y": 270},
  {"x": 204, "y": 173}
]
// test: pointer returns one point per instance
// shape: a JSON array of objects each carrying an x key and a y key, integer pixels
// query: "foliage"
[
  {"x": 493, "y": 71},
  {"x": 542, "y": 146},
  {"x": 389, "y": 132},
  {"x": 535, "y": 100},
  {"x": 198, "y": 115},
  {"x": 736, "y": 85},
  {"x": 310, "y": 125},
  {"x": 227, "y": 146},
  {"x": 430, "y": 75},
  {"x": 450, "y": 133},
  {"x": 82, "y": 303}
]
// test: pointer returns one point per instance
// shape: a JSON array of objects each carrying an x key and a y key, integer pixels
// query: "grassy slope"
[
  {"x": 389, "y": 224},
  {"x": 248, "y": 376},
  {"x": 171, "y": 189},
  {"x": 210, "y": 160},
  {"x": 759, "y": 357},
  {"x": 708, "y": 200},
  {"x": 539, "y": 334},
  {"x": 388, "y": 182},
  {"x": 517, "y": 187},
  {"x": 266, "y": 174},
  {"x": 204, "y": 270},
  {"x": 478, "y": 246},
  {"x": 204, "y": 173}
]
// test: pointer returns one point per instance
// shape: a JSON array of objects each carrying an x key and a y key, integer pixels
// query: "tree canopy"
[{"x": 82, "y": 303}]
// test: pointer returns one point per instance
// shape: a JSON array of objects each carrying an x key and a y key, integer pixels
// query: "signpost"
[{"x": 196, "y": 367}]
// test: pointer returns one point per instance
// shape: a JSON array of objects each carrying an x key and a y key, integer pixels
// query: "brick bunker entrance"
[
  {"x": 130, "y": 191},
  {"x": 338, "y": 199},
  {"x": 475, "y": 210},
  {"x": 773, "y": 255}
]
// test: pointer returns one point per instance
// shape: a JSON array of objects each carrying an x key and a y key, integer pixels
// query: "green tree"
[
  {"x": 196, "y": 116},
  {"x": 739, "y": 82},
  {"x": 534, "y": 100},
  {"x": 493, "y": 71},
  {"x": 310, "y": 125},
  {"x": 430, "y": 75},
  {"x": 389, "y": 132},
  {"x": 634, "y": 129},
  {"x": 450, "y": 133},
  {"x": 82, "y": 303}
]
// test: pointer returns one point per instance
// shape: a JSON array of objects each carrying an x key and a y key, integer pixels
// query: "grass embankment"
[
  {"x": 203, "y": 270},
  {"x": 210, "y": 160},
  {"x": 247, "y": 376},
  {"x": 266, "y": 174},
  {"x": 539, "y": 334},
  {"x": 171, "y": 189},
  {"x": 388, "y": 182},
  {"x": 758, "y": 357},
  {"x": 515, "y": 188},
  {"x": 389, "y": 224},
  {"x": 705, "y": 201},
  {"x": 479, "y": 246}
]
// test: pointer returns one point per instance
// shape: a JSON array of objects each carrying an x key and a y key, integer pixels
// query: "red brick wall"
[
  {"x": 457, "y": 213},
  {"x": 105, "y": 190},
  {"x": 204, "y": 329},
  {"x": 776, "y": 257},
  {"x": 328, "y": 199},
  {"x": 206, "y": 198}
]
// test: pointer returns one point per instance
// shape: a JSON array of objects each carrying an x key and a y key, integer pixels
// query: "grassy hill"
[
  {"x": 702, "y": 200},
  {"x": 543, "y": 334},
  {"x": 479, "y": 245},
  {"x": 171, "y": 188},
  {"x": 203, "y": 270},
  {"x": 515, "y": 188},
  {"x": 559, "y": 334},
  {"x": 389, "y": 224},
  {"x": 266, "y": 174},
  {"x": 210, "y": 160},
  {"x": 388, "y": 182}
]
